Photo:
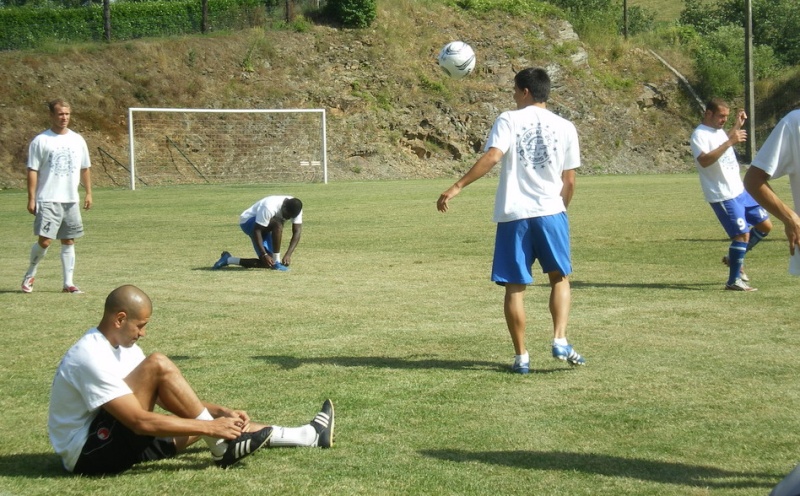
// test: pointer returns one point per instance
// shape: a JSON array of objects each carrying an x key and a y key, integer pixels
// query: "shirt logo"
[{"x": 534, "y": 146}]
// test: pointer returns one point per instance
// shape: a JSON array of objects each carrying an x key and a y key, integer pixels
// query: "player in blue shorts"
[
  {"x": 743, "y": 219},
  {"x": 263, "y": 224},
  {"x": 539, "y": 153}
]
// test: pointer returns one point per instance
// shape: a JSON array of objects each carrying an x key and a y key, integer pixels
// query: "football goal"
[{"x": 184, "y": 146}]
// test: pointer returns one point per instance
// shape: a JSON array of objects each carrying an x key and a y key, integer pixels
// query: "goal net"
[{"x": 184, "y": 146}]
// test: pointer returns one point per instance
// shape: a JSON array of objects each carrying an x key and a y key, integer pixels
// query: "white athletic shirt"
[
  {"x": 537, "y": 147},
  {"x": 780, "y": 154},
  {"x": 721, "y": 180},
  {"x": 59, "y": 159},
  {"x": 267, "y": 208},
  {"x": 90, "y": 375}
]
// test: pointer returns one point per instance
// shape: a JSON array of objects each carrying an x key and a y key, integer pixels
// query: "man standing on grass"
[
  {"x": 778, "y": 157},
  {"x": 105, "y": 389},
  {"x": 263, "y": 224},
  {"x": 743, "y": 219},
  {"x": 539, "y": 153},
  {"x": 58, "y": 161}
]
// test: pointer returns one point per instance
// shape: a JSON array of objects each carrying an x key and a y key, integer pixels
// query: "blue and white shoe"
[
  {"x": 567, "y": 354},
  {"x": 280, "y": 266},
  {"x": 222, "y": 262},
  {"x": 520, "y": 367}
]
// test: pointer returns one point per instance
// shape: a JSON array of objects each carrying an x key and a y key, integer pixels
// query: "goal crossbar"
[{"x": 276, "y": 146}]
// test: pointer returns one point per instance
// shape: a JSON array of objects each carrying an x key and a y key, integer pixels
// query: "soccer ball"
[{"x": 457, "y": 59}]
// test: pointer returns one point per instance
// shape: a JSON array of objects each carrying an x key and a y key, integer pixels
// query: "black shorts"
[{"x": 112, "y": 448}]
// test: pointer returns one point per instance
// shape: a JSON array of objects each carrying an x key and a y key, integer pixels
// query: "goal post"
[{"x": 183, "y": 146}]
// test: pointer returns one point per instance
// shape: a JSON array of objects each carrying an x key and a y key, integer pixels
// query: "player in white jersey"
[
  {"x": 58, "y": 161},
  {"x": 780, "y": 156},
  {"x": 263, "y": 224},
  {"x": 102, "y": 418},
  {"x": 743, "y": 219},
  {"x": 539, "y": 153}
]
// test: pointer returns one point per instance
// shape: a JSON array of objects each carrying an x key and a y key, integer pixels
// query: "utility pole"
[
  {"x": 625, "y": 18},
  {"x": 749, "y": 83}
]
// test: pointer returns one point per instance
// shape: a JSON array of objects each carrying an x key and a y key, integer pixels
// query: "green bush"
[
  {"x": 27, "y": 27},
  {"x": 719, "y": 62},
  {"x": 352, "y": 13}
]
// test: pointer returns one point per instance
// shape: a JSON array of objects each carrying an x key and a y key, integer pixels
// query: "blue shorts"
[
  {"x": 521, "y": 242},
  {"x": 249, "y": 228},
  {"x": 738, "y": 214}
]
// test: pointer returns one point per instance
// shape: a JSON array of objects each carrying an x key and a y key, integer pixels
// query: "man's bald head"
[{"x": 128, "y": 299}]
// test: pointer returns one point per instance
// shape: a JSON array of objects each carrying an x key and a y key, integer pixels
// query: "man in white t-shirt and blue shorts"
[
  {"x": 743, "y": 219},
  {"x": 263, "y": 224},
  {"x": 539, "y": 154}
]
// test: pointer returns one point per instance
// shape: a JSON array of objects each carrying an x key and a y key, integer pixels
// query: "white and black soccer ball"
[{"x": 457, "y": 59}]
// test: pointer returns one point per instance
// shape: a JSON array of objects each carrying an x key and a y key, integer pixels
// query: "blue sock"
[
  {"x": 755, "y": 237},
  {"x": 736, "y": 254}
]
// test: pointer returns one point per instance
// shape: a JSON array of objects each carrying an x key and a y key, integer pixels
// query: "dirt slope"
[{"x": 391, "y": 112}]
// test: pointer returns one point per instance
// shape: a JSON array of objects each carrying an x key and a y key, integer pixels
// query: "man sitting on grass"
[{"x": 105, "y": 389}]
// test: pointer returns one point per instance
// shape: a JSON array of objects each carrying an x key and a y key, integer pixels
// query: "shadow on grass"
[
  {"x": 32, "y": 465},
  {"x": 48, "y": 465},
  {"x": 289, "y": 362},
  {"x": 613, "y": 466},
  {"x": 683, "y": 287}
]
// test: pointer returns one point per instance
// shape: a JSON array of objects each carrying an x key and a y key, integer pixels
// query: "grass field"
[
  {"x": 665, "y": 10},
  {"x": 388, "y": 310}
]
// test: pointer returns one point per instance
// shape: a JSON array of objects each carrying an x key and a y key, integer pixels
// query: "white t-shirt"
[
  {"x": 267, "y": 208},
  {"x": 780, "y": 154},
  {"x": 59, "y": 159},
  {"x": 721, "y": 180},
  {"x": 90, "y": 375},
  {"x": 537, "y": 147}
]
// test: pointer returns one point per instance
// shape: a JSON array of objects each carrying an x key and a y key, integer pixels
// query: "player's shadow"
[
  {"x": 48, "y": 465},
  {"x": 32, "y": 465},
  {"x": 613, "y": 466},
  {"x": 383, "y": 362},
  {"x": 642, "y": 285}
]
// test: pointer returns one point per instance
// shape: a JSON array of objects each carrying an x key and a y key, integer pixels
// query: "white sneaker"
[{"x": 739, "y": 285}]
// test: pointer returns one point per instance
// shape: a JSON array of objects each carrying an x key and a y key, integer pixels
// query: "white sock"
[
  {"x": 233, "y": 260},
  {"x": 524, "y": 358},
  {"x": 37, "y": 254},
  {"x": 560, "y": 341},
  {"x": 293, "y": 436},
  {"x": 276, "y": 257},
  {"x": 68, "y": 263},
  {"x": 215, "y": 444}
]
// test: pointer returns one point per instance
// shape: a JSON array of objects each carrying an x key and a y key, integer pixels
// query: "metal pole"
[{"x": 749, "y": 84}]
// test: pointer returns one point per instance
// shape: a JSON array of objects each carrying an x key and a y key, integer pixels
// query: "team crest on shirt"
[
  {"x": 103, "y": 433},
  {"x": 534, "y": 145},
  {"x": 61, "y": 162}
]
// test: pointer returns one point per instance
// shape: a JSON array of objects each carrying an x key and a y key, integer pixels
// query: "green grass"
[
  {"x": 388, "y": 310},
  {"x": 665, "y": 10}
]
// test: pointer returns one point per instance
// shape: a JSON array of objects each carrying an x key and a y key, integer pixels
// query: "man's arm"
[
  {"x": 568, "y": 178},
  {"x": 297, "y": 231},
  {"x": 86, "y": 180},
  {"x": 756, "y": 182},
  {"x": 33, "y": 181},
  {"x": 481, "y": 167},
  {"x": 130, "y": 412}
]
